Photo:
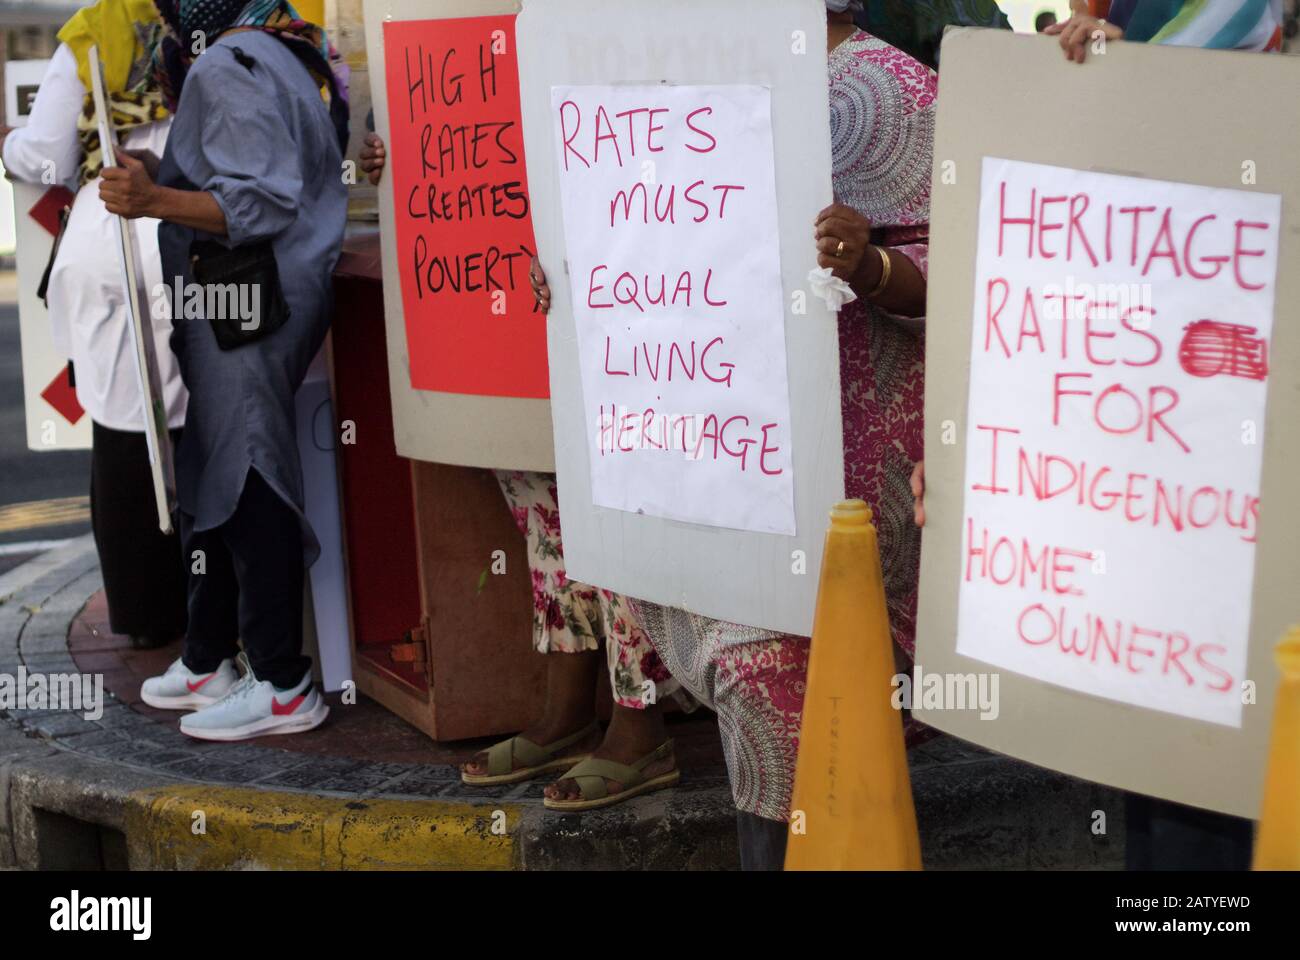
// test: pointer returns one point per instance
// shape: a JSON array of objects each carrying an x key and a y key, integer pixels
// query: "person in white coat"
[{"x": 144, "y": 571}]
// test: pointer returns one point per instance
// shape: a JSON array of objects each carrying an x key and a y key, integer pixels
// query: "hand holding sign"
[
  {"x": 373, "y": 157},
  {"x": 128, "y": 189}
]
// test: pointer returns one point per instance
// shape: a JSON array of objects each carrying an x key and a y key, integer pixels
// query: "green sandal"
[
  {"x": 591, "y": 774},
  {"x": 535, "y": 759}
]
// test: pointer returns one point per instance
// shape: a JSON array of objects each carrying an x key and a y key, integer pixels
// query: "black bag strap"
[{"x": 43, "y": 289}]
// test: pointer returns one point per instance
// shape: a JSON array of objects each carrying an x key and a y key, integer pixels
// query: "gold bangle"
[{"x": 886, "y": 268}]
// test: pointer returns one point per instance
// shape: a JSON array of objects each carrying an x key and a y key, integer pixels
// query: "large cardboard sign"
[
  {"x": 466, "y": 348},
  {"x": 694, "y": 379},
  {"x": 55, "y": 420},
  {"x": 464, "y": 234},
  {"x": 139, "y": 323},
  {"x": 1109, "y": 450}
]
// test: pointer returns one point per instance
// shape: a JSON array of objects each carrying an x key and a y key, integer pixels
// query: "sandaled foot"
[
  {"x": 600, "y": 781},
  {"x": 522, "y": 757}
]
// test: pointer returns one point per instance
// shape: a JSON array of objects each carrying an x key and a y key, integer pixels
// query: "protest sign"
[
  {"x": 467, "y": 346},
  {"x": 678, "y": 155},
  {"x": 464, "y": 235},
  {"x": 1119, "y": 365},
  {"x": 55, "y": 420},
  {"x": 139, "y": 324},
  {"x": 1105, "y": 443},
  {"x": 676, "y": 284}
]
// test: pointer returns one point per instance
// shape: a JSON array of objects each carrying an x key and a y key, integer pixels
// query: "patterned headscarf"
[
  {"x": 124, "y": 32},
  {"x": 190, "y": 25},
  {"x": 916, "y": 26},
  {"x": 842, "y": 6},
  {"x": 1222, "y": 25}
]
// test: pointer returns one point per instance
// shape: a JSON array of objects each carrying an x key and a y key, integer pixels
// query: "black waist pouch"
[{"x": 241, "y": 291}]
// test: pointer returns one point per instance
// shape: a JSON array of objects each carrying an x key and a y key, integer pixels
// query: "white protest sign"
[
  {"x": 1119, "y": 359},
  {"x": 161, "y": 464},
  {"x": 1141, "y": 564},
  {"x": 699, "y": 526},
  {"x": 55, "y": 420},
  {"x": 669, "y": 202}
]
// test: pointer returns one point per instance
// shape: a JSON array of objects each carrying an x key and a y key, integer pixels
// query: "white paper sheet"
[
  {"x": 1116, "y": 556},
  {"x": 669, "y": 203}
]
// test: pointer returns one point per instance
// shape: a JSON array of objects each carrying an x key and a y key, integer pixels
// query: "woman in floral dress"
[{"x": 874, "y": 237}]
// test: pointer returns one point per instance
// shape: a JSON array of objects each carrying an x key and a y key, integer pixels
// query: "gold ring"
[{"x": 839, "y": 251}]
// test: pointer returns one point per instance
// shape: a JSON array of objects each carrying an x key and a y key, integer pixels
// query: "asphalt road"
[{"x": 27, "y": 476}]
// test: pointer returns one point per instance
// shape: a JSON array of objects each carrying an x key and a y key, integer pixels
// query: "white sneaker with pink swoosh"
[
  {"x": 182, "y": 689},
  {"x": 256, "y": 708}
]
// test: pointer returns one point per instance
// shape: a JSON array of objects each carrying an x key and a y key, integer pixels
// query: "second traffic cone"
[
  {"x": 852, "y": 805},
  {"x": 1278, "y": 845}
]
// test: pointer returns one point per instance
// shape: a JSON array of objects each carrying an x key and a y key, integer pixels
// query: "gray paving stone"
[
  {"x": 357, "y": 781},
  {"x": 305, "y": 777},
  {"x": 62, "y": 724},
  {"x": 200, "y": 768},
  {"x": 249, "y": 772},
  {"x": 96, "y": 737},
  {"x": 50, "y": 662},
  {"x": 37, "y": 640}
]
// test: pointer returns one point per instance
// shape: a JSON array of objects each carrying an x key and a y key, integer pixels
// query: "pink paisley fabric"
[
  {"x": 882, "y": 138},
  {"x": 882, "y": 135}
]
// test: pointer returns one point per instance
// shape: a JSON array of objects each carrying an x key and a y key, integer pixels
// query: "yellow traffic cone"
[
  {"x": 852, "y": 806},
  {"x": 1278, "y": 844}
]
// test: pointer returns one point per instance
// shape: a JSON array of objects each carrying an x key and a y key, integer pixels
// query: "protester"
[
  {"x": 144, "y": 576},
  {"x": 1044, "y": 20},
  {"x": 875, "y": 238},
  {"x": 634, "y": 755},
  {"x": 1164, "y": 835},
  {"x": 1222, "y": 25},
  {"x": 254, "y": 163}
]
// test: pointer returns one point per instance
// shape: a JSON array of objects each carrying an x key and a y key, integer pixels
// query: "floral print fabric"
[{"x": 570, "y": 617}]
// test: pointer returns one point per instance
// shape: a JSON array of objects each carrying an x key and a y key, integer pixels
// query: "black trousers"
[
  {"x": 250, "y": 588},
  {"x": 1169, "y": 836},
  {"x": 144, "y": 572},
  {"x": 762, "y": 842}
]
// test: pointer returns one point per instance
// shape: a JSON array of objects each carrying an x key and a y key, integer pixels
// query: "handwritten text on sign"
[
  {"x": 1119, "y": 363},
  {"x": 669, "y": 202},
  {"x": 460, "y": 192}
]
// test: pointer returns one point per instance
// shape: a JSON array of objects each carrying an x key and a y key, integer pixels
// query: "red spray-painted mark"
[{"x": 1211, "y": 349}]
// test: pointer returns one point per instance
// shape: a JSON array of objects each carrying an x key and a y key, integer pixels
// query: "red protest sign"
[{"x": 462, "y": 212}]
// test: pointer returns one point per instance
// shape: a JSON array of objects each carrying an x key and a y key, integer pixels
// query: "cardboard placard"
[
  {"x": 468, "y": 384},
  {"x": 139, "y": 323},
  {"x": 663, "y": 538},
  {"x": 55, "y": 420},
  {"x": 1113, "y": 315},
  {"x": 461, "y": 210}
]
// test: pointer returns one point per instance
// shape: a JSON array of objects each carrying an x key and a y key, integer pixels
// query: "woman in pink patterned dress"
[{"x": 875, "y": 238}]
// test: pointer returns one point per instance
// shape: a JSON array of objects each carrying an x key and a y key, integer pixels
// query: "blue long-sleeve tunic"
[{"x": 258, "y": 137}]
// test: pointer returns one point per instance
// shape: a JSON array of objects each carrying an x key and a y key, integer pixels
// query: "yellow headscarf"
[
  {"x": 120, "y": 28},
  {"x": 125, "y": 31}
]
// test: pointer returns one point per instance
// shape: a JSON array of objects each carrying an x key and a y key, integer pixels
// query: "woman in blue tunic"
[{"x": 252, "y": 171}]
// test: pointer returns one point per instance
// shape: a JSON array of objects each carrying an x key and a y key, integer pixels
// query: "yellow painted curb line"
[{"x": 203, "y": 827}]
